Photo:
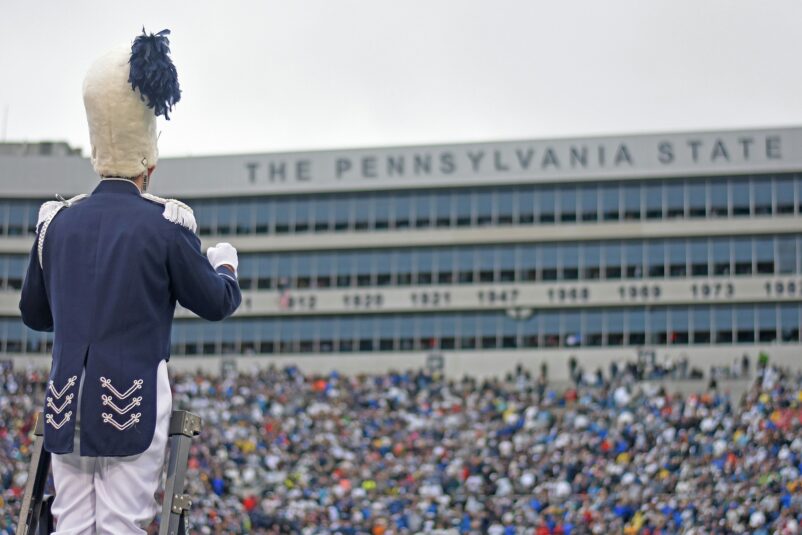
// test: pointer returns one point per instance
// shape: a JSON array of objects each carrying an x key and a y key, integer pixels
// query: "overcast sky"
[{"x": 311, "y": 74}]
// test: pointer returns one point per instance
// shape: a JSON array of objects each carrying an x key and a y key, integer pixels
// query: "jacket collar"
[{"x": 116, "y": 185}]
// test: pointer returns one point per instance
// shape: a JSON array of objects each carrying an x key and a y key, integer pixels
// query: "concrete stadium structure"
[{"x": 474, "y": 256}]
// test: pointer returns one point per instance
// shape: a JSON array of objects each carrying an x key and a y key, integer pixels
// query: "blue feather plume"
[{"x": 153, "y": 72}]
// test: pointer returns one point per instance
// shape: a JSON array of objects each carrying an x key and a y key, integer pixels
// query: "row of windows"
[
  {"x": 676, "y": 325},
  {"x": 530, "y": 204},
  {"x": 611, "y": 260},
  {"x": 762, "y": 195}
]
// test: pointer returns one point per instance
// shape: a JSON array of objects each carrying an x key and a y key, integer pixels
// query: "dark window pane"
[
  {"x": 442, "y": 209},
  {"x": 589, "y": 199},
  {"x": 789, "y": 322},
  {"x": 283, "y": 208},
  {"x": 632, "y": 202},
  {"x": 505, "y": 203},
  {"x": 722, "y": 317},
  {"x": 658, "y": 328},
  {"x": 633, "y": 260},
  {"x": 677, "y": 258},
  {"x": 740, "y": 197},
  {"x": 264, "y": 215},
  {"x": 465, "y": 264},
  {"x": 612, "y": 261},
  {"x": 468, "y": 331},
  {"x": 381, "y": 211},
  {"x": 423, "y": 210},
  {"x": 745, "y": 324},
  {"x": 546, "y": 204},
  {"x": 699, "y": 260},
  {"x": 403, "y": 267},
  {"x": 572, "y": 328},
  {"x": 484, "y": 207},
  {"x": 549, "y": 262},
  {"x": 244, "y": 217},
  {"x": 784, "y": 194},
  {"x": 445, "y": 266},
  {"x": 525, "y": 199},
  {"x": 697, "y": 199},
  {"x": 764, "y": 255},
  {"x": 615, "y": 321},
  {"x": 362, "y": 207},
  {"x": 761, "y": 195},
  {"x": 675, "y": 199},
  {"x": 486, "y": 264},
  {"x": 742, "y": 249},
  {"x": 636, "y": 327},
  {"x": 402, "y": 210},
  {"x": 17, "y": 218},
  {"x": 464, "y": 208},
  {"x": 384, "y": 269},
  {"x": 718, "y": 199},
  {"x": 205, "y": 215},
  {"x": 721, "y": 256},
  {"x": 592, "y": 261},
  {"x": 570, "y": 261},
  {"x": 679, "y": 333},
  {"x": 302, "y": 215},
  {"x": 550, "y": 326},
  {"x": 656, "y": 258},
  {"x": 701, "y": 325},
  {"x": 529, "y": 262},
  {"x": 506, "y": 264},
  {"x": 593, "y": 333},
  {"x": 767, "y": 323},
  {"x": 610, "y": 202},
  {"x": 424, "y": 266},
  {"x": 568, "y": 204},
  {"x": 786, "y": 255},
  {"x": 654, "y": 201},
  {"x": 365, "y": 268},
  {"x": 225, "y": 218},
  {"x": 342, "y": 213},
  {"x": 322, "y": 215}
]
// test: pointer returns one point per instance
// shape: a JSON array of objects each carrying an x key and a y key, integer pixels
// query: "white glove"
[{"x": 221, "y": 254}]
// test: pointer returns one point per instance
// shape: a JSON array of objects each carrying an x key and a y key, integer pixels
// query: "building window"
[
  {"x": 567, "y": 204},
  {"x": 740, "y": 198},
  {"x": 697, "y": 199},
  {"x": 632, "y": 202},
  {"x": 590, "y": 202},
  {"x": 699, "y": 257},
  {"x": 675, "y": 200},
  {"x": 718, "y": 199},
  {"x": 784, "y": 195},
  {"x": 505, "y": 201},
  {"x": 742, "y": 251},
  {"x": 700, "y": 322},
  {"x": 546, "y": 205},
  {"x": 654, "y": 201},
  {"x": 762, "y": 195},
  {"x": 610, "y": 202}
]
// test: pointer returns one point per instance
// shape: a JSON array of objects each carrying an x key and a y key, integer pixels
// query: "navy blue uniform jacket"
[{"x": 113, "y": 267}]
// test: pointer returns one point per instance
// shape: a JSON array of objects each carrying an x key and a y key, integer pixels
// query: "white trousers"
[{"x": 112, "y": 495}]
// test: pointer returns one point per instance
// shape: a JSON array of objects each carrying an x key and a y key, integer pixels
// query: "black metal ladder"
[{"x": 35, "y": 516}]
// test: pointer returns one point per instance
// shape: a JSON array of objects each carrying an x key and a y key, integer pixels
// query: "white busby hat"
[{"x": 124, "y": 91}]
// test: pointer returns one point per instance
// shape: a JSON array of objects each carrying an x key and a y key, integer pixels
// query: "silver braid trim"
[
  {"x": 175, "y": 211},
  {"x": 47, "y": 212}
]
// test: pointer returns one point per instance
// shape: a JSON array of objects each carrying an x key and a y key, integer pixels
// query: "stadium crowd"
[{"x": 285, "y": 452}]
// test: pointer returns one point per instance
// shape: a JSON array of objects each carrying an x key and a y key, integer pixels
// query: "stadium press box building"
[{"x": 484, "y": 254}]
